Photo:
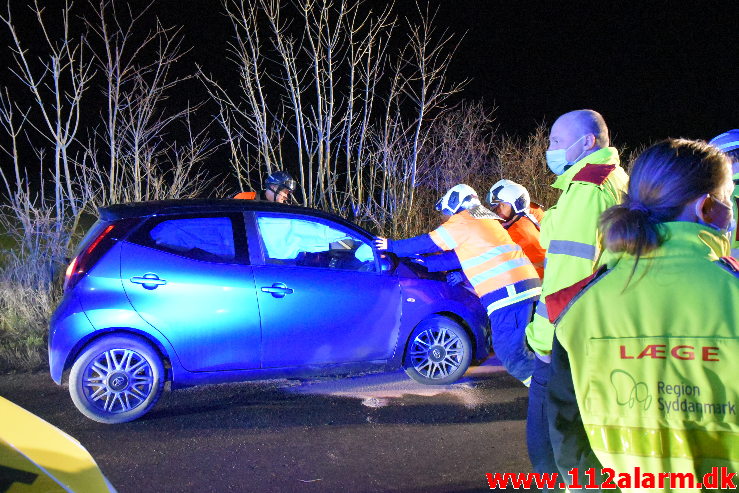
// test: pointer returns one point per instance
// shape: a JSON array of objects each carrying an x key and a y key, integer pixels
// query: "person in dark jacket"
[{"x": 278, "y": 187}]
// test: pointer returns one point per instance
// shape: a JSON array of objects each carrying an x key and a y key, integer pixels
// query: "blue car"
[{"x": 210, "y": 291}]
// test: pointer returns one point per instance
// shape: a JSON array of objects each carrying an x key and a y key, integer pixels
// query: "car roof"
[{"x": 189, "y": 206}]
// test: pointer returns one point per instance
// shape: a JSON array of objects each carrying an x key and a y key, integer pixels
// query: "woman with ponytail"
[{"x": 646, "y": 351}]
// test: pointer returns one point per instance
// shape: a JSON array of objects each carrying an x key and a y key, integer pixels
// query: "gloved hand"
[{"x": 454, "y": 278}]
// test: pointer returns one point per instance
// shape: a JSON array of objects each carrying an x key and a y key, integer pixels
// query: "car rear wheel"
[
  {"x": 439, "y": 351},
  {"x": 116, "y": 379}
]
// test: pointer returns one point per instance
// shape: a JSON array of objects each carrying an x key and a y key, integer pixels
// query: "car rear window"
[{"x": 210, "y": 239}]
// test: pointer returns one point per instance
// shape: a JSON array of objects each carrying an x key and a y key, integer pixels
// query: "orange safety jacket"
[
  {"x": 525, "y": 233},
  {"x": 537, "y": 211},
  {"x": 246, "y": 195},
  {"x": 495, "y": 265}
]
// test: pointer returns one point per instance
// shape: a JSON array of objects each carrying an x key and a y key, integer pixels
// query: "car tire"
[
  {"x": 438, "y": 352},
  {"x": 116, "y": 379}
]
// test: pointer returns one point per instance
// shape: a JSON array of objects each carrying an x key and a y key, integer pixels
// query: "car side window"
[
  {"x": 303, "y": 242},
  {"x": 209, "y": 239}
]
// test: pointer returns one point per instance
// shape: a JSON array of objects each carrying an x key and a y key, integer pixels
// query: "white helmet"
[
  {"x": 512, "y": 193},
  {"x": 458, "y": 198}
]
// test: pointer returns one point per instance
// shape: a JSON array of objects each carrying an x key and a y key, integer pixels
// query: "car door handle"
[
  {"x": 278, "y": 290},
  {"x": 149, "y": 281}
]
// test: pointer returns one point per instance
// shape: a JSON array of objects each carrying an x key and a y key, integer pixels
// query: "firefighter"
[
  {"x": 537, "y": 211},
  {"x": 591, "y": 181},
  {"x": 728, "y": 143},
  {"x": 278, "y": 187},
  {"x": 644, "y": 356},
  {"x": 511, "y": 202},
  {"x": 501, "y": 275}
]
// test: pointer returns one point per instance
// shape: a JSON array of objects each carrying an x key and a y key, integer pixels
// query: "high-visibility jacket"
[
  {"x": 537, "y": 211},
  {"x": 569, "y": 231},
  {"x": 652, "y": 356},
  {"x": 735, "y": 204},
  {"x": 495, "y": 265},
  {"x": 246, "y": 196},
  {"x": 526, "y": 235}
]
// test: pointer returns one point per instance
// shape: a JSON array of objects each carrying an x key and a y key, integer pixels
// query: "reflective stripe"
[
  {"x": 727, "y": 146},
  {"x": 446, "y": 237},
  {"x": 541, "y": 309},
  {"x": 500, "y": 269},
  {"x": 531, "y": 293},
  {"x": 527, "y": 285},
  {"x": 490, "y": 254},
  {"x": 510, "y": 290},
  {"x": 650, "y": 442},
  {"x": 572, "y": 248}
]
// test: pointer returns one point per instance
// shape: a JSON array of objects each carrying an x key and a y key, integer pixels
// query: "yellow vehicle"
[{"x": 36, "y": 456}]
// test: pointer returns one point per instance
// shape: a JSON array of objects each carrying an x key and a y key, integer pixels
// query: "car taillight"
[{"x": 87, "y": 258}]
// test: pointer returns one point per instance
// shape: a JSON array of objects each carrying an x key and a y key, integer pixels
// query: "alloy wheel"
[
  {"x": 118, "y": 380},
  {"x": 436, "y": 353}
]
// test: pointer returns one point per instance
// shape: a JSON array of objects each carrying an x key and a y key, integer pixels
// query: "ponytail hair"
[{"x": 665, "y": 177}]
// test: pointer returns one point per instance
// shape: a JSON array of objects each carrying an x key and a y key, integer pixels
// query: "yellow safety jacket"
[
  {"x": 495, "y": 265},
  {"x": 654, "y": 357},
  {"x": 36, "y": 456},
  {"x": 735, "y": 203},
  {"x": 569, "y": 231}
]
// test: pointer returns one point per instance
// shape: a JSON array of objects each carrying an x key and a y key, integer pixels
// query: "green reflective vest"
[
  {"x": 735, "y": 203},
  {"x": 569, "y": 231},
  {"x": 655, "y": 359}
]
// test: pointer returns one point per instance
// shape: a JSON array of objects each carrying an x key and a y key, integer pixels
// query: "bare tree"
[
  {"x": 321, "y": 86},
  {"x": 137, "y": 118},
  {"x": 522, "y": 160},
  {"x": 57, "y": 84},
  {"x": 460, "y": 149},
  {"x": 57, "y": 161}
]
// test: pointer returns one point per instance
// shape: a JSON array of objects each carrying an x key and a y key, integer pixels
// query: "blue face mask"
[{"x": 557, "y": 159}]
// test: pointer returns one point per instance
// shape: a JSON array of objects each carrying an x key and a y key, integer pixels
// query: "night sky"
[{"x": 653, "y": 69}]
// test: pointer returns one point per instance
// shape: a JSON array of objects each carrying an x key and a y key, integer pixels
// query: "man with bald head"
[{"x": 592, "y": 180}]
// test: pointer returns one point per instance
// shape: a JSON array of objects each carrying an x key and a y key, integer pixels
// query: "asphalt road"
[{"x": 370, "y": 433}]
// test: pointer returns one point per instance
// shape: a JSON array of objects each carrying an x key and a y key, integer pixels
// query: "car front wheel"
[
  {"x": 439, "y": 351},
  {"x": 116, "y": 379}
]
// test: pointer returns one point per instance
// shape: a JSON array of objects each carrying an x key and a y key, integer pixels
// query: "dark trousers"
[
  {"x": 537, "y": 424},
  {"x": 509, "y": 338}
]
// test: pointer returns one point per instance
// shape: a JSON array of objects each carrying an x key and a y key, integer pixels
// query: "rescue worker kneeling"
[
  {"x": 501, "y": 275},
  {"x": 644, "y": 359}
]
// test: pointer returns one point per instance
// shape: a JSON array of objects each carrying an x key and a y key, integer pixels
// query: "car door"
[
  {"x": 188, "y": 276},
  {"x": 322, "y": 295}
]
